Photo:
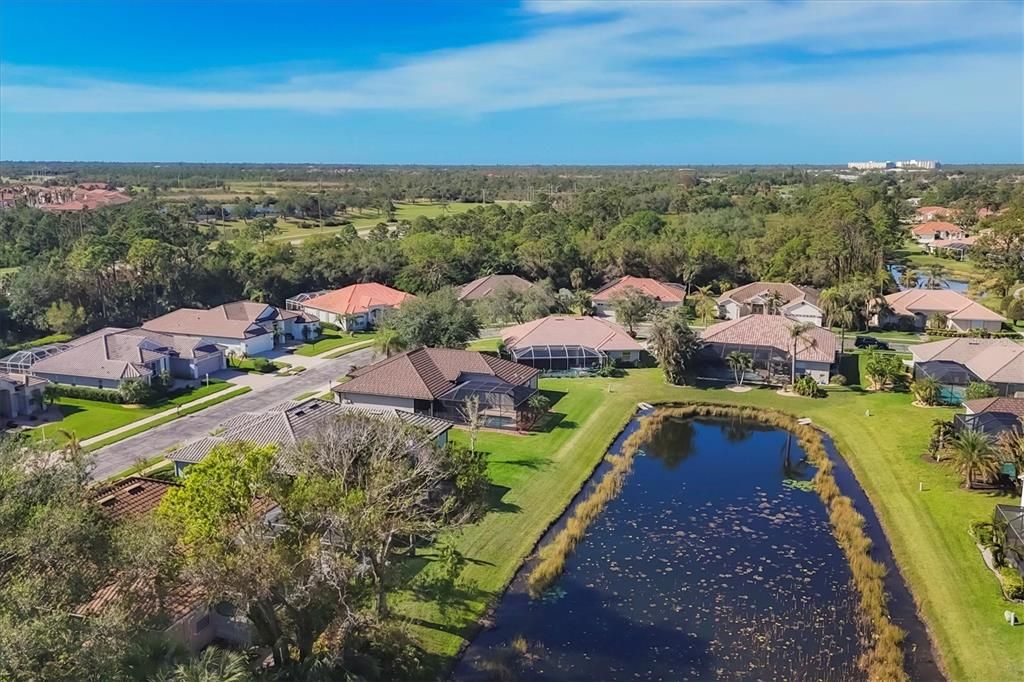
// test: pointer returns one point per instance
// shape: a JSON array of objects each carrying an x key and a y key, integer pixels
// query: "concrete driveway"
[{"x": 266, "y": 392}]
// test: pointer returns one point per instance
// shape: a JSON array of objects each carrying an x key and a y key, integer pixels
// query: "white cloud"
[{"x": 637, "y": 60}]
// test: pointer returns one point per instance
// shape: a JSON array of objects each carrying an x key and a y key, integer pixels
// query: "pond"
[
  {"x": 956, "y": 285},
  {"x": 716, "y": 561}
]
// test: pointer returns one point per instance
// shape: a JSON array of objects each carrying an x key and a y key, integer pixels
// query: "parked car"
[{"x": 870, "y": 342}]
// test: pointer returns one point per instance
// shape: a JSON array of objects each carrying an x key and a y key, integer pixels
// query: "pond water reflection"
[{"x": 715, "y": 561}]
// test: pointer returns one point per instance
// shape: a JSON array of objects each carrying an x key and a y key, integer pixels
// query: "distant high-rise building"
[
  {"x": 869, "y": 165},
  {"x": 915, "y": 164}
]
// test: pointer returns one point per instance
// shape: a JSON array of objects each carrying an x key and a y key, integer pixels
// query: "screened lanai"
[
  {"x": 769, "y": 363},
  {"x": 554, "y": 358},
  {"x": 20, "y": 362},
  {"x": 502, "y": 405}
]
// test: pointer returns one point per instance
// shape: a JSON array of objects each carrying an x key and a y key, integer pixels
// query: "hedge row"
[{"x": 102, "y": 395}]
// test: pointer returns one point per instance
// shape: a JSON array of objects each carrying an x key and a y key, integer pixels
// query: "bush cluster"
[
  {"x": 808, "y": 387},
  {"x": 1013, "y": 583},
  {"x": 102, "y": 395}
]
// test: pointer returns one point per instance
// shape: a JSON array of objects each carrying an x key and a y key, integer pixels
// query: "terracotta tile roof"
[
  {"x": 359, "y": 298},
  {"x": 237, "y": 320},
  {"x": 952, "y": 304},
  {"x": 790, "y": 293},
  {"x": 485, "y": 286},
  {"x": 996, "y": 360},
  {"x": 567, "y": 330},
  {"x": 132, "y": 496},
  {"x": 293, "y": 422},
  {"x": 772, "y": 331},
  {"x": 935, "y": 226},
  {"x": 666, "y": 292},
  {"x": 429, "y": 373}
]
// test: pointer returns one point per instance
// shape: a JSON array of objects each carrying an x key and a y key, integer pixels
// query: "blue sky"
[{"x": 465, "y": 82}]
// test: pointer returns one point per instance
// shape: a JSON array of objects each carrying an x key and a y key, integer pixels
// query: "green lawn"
[
  {"x": 331, "y": 339},
  {"x": 89, "y": 418},
  {"x": 882, "y": 436},
  {"x": 918, "y": 258},
  {"x": 291, "y": 228},
  {"x": 490, "y": 344}
]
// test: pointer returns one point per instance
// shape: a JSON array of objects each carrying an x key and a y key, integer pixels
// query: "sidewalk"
[{"x": 159, "y": 415}]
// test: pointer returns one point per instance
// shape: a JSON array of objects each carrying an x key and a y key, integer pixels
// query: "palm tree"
[
  {"x": 213, "y": 665},
  {"x": 389, "y": 342},
  {"x": 935, "y": 277},
  {"x": 974, "y": 456},
  {"x": 797, "y": 332},
  {"x": 775, "y": 301},
  {"x": 926, "y": 391},
  {"x": 705, "y": 306},
  {"x": 909, "y": 278},
  {"x": 739, "y": 363}
]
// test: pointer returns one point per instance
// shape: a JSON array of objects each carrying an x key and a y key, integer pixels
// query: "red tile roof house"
[
  {"x": 180, "y": 608},
  {"x": 920, "y": 305},
  {"x": 923, "y": 214},
  {"x": 437, "y": 381},
  {"x": 241, "y": 328},
  {"x": 667, "y": 294},
  {"x": 927, "y": 233},
  {"x": 483, "y": 287},
  {"x": 991, "y": 415},
  {"x": 766, "y": 338},
  {"x": 353, "y": 308},
  {"x": 559, "y": 343},
  {"x": 798, "y": 303}
]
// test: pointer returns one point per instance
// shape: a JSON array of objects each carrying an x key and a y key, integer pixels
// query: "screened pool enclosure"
[
  {"x": 557, "y": 358},
  {"x": 501, "y": 405},
  {"x": 22, "y": 361}
]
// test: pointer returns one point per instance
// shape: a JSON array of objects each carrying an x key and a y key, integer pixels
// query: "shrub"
[
  {"x": 102, "y": 395},
  {"x": 263, "y": 365},
  {"x": 838, "y": 380},
  {"x": 984, "y": 533},
  {"x": 807, "y": 387},
  {"x": 979, "y": 389},
  {"x": 1013, "y": 583},
  {"x": 136, "y": 392},
  {"x": 927, "y": 391}
]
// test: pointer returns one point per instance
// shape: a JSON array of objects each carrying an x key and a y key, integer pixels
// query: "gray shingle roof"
[{"x": 292, "y": 422}]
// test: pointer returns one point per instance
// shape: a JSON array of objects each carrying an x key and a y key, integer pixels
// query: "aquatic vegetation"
[{"x": 882, "y": 658}]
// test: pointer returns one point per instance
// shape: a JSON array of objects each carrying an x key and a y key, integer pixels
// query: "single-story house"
[
  {"x": 240, "y": 328},
  {"x": 757, "y": 298},
  {"x": 925, "y": 233},
  {"x": 181, "y": 607},
  {"x": 667, "y": 294},
  {"x": 483, "y": 287},
  {"x": 21, "y": 395},
  {"x": 767, "y": 339},
  {"x": 924, "y": 214},
  {"x": 353, "y": 308},
  {"x": 956, "y": 247},
  {"x": 564, "y": 342},
  {"x": 991, "y": 415},
  {"x": 956, "y": 363},
  {"x": 438, "y": 381},
  {"x": 294, "y": 421},
  {"x": 110, "y": 356},
  {"x": 917, "y": 307}
]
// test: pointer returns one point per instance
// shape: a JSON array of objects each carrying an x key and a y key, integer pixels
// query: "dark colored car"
[{"x": 870, "y": 342}]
